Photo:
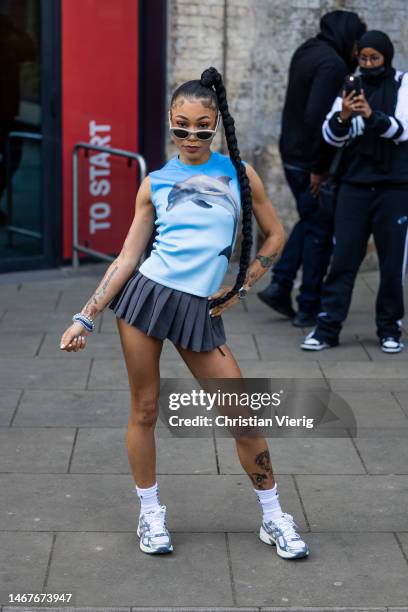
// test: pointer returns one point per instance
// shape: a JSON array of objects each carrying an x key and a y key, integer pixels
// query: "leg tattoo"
[{"x": 263, "y": 460}]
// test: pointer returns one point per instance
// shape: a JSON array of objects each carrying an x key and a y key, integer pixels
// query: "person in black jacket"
[
  {"x": 316, "y": 73},
  {"x": 373, "y": 194}
]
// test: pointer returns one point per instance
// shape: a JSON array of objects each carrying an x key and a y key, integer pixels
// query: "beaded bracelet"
[{"x": 85, "y": 321}]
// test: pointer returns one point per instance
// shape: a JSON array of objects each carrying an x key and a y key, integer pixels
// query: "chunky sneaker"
[
  {"x": 390, "y": 344},
  {"x": 311, "y": 343},
  {"x": 281, "y": 532},
  {"x": 152, "y": 530}
]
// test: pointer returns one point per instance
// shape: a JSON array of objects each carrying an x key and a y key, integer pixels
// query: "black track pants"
[{"x": 382, "y": 211}]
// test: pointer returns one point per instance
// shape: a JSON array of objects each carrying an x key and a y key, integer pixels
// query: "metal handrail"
[
  {"x": 76, "y": 247},
  {"x": 9, "y": 191}
]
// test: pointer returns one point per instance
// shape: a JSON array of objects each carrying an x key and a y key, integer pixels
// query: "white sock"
[
  {"x": 149, "y": 498},
  {"x": 269, "y": 500}
]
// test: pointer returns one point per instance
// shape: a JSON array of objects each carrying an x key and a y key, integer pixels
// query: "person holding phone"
[
  {"x": 316, "y": 73},
  {"x": 370, "y": 120}
]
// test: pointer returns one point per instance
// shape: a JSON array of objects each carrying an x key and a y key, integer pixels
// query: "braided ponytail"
[{"x": 212, "y": 78}]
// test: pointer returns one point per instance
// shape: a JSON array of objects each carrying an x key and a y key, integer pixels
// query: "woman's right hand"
[
  {"x": 347, "y": 106},
  {"x": 74, "y": 337}
]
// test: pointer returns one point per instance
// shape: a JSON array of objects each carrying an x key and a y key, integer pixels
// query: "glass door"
[{"x": 28, "y": 134}]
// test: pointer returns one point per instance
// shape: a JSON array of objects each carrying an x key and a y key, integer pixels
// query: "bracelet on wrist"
[{"x": 85, "y": 321}]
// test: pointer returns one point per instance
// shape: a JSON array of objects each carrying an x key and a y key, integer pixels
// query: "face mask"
[{"x": 372, "y": 72}]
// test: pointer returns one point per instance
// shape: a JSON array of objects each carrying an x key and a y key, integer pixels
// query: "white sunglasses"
[{"x": 182, "y": 133}]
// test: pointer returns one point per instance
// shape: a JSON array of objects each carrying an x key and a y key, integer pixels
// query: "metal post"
[{"x": 76, "y": 247}]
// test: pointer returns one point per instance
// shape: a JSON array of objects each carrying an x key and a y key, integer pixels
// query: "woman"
[
  {"x": 175, "y": 293},
  {"x": 372, "y": 125}
]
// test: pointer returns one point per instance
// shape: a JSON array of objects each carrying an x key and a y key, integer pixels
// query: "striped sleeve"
[
  {"x": 335, "y": 133},
  {"x": 401, "y": 112}
]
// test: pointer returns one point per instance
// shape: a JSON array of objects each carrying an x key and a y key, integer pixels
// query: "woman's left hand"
[
  {"x": 218, "y": 310},
  {"x": 361, "y": 106}
]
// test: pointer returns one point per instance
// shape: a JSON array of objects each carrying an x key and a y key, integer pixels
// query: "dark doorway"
[{"x": 29, "y": 134}]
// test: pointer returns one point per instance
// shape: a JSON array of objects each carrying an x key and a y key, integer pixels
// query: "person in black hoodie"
[
  {"x": 373, "y": 194},
  {"x": 316, "y": 73}
]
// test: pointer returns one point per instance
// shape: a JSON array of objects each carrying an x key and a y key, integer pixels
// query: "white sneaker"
[
  {"x": 311, "y": 343},
  {"x": 391, "y": 345},
  {"x": 281, "y": 532},
  {"x": 152, "y": 530}
]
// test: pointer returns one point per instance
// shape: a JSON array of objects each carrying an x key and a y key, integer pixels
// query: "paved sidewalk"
[{"x": 68, "y": 515}]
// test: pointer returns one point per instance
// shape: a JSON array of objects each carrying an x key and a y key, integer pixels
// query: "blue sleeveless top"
[{"x": 198, "y": 210}]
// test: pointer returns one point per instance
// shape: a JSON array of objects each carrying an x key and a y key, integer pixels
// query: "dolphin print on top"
[
  {"x": 207, "y": 191},
  {"x": 197, "y": 208}
]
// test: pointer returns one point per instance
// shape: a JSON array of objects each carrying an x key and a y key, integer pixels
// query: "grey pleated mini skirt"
[{"x": 163, "y": 312}]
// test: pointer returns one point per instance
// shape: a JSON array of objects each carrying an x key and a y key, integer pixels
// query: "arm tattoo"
[
  {"x": 250, "y": 278},
  {"x": 267, "y": 260},
  {"x": 91, "y": 307}
]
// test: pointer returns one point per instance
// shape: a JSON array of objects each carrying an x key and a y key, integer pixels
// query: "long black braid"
[{"x": 211, "y": 87}]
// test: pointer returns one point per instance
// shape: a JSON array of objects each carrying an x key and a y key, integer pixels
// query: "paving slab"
[
  {"x": 112, "y": 373},
  {"x": 20, "y": 344},
  {"x": 29, "y": 299},
  {"x": 9, "y": 287},
  {"x": 403, "y": 539},
  {"x": 35, "y": 450},
  {"x": 45, "y": 320},
  {"x": 106, "y": 569},
  {"x": 343, "y": 569},
  {"x": 355, "y": 503},
  {"x": 97, "y": 345},
  {"x": 375, "y": 410},
  {"x": 376, "y": 354},
  {"x": 402, "y": 399},
  {"x": 23, "y": 563},
  {"x": 67, "y": 408},
  {"x": 370, "y": 375},
  {"x": 81, "y": 502},
  {"x": 103, "y": 451},
  {"x": 9, "y": 399},
  {"x": 385, "y": 452},
  {"x": 273, "y": 347},
  {"x": 299, "y": 456},
  {"x": 23, "y": 372},
  {"x": 280, "y": 369}
]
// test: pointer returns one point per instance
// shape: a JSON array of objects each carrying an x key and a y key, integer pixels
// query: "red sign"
[{"x": 100, "y": 107}]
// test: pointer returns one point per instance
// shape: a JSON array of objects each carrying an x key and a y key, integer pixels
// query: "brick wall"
[{"x": 251, "y": 43}]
